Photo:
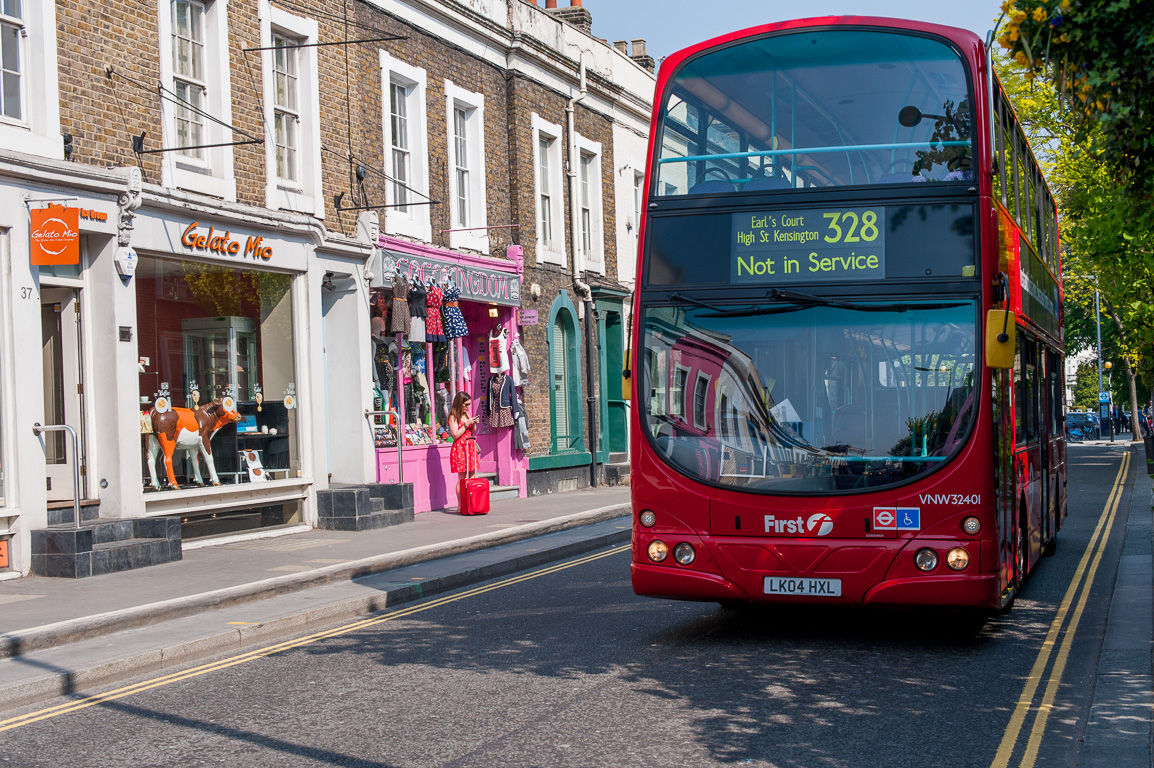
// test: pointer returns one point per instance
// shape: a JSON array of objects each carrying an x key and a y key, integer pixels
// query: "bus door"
[{"x": 1029, "y": 470}]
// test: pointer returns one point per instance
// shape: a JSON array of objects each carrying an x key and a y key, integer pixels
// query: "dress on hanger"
[
  {"x": 501, "y": 401},
  {"x": 498, "y": 352},
  {"x": 417, "y": 311},
  {"x": 434, "y": 327},
  {"x": 455, "y": 327},
  {"x": 400, "y": 305}
]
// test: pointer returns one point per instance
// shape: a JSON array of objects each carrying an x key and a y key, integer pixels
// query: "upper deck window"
[{"x": 825, "y": 108}]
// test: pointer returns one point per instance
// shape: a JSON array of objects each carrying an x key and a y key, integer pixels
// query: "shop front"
[
  {"x": 221, "y": 351},
  {"x": 443, "y": 323}
]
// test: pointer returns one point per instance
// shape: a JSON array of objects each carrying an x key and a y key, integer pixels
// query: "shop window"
[
  {"x": 416, "y": 374},
  {"x": 29, "y": 90},
  {"x": 216, "y": 357},
  {"x": 406, "y": 161},
  {"x": 589, "y": 194},
  {"x": 195, "y": 102},
  {"x": 292, "y": 112},
  {"x": 549, "y": 191},
  {"x": 466, "y": 137}
]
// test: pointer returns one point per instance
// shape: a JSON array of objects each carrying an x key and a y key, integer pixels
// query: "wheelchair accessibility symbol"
[{"x": 909, "y": 518}]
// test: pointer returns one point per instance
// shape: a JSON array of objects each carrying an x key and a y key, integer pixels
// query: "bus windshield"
[
  {"x": 820, "y": 108},
  {"x": 809, "y": 396}
]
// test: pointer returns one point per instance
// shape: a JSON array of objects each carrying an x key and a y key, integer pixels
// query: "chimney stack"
[
  {"x": 622, "y": 45},
  {"x": 575, "y": 14},
  {"x": 640, "y": 56}
]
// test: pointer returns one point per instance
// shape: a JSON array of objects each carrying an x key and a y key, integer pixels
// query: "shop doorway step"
[
  {"x": 61, "y": 512},
  {"x": 617, "y": 469},
  {"x": 499, "y": 492},
  {"x": 364, "y": 507},
  {"x": 105, "y": 545}
]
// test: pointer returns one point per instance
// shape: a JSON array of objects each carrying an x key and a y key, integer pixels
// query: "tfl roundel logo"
[{"x": 819, "y": 524}]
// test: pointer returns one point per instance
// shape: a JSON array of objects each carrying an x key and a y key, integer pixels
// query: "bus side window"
[
  {"x": 1019, "y": 398},
  {"x": 1031, "y": 404}
]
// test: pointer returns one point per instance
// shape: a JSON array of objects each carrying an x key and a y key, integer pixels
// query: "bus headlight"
[
  {"x": 925, "y": 559},
  {"x": 658, "y": 551},
  {"x": 972, "y": 526},
  {"x": 957, "y": 558},
  {"x": 684, "y": 554},
  {"x": 647, "y": 518}
]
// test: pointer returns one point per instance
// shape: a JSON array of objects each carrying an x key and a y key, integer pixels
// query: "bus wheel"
[
  {"x": 1020, "y": 553},
  {"x": 1050, "y": 547}
]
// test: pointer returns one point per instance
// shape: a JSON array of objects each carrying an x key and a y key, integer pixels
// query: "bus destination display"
[{"x": 807, "y": 246}]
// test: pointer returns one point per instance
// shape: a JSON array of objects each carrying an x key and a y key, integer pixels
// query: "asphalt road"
[{"x": 564, "y": 666}]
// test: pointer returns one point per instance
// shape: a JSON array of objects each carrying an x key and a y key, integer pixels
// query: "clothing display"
[
  {"x": 434, "y": 326},
  {"x": 401, "y": 320},
  {"x": 520, "y": 360},
  {"x": 499, "y": 351},
  {"x": 386, "y": 374},
  {"x": 521, "y": 433},
  {"x": 501, "y": 401},
  {"x": 417, "y": 312},
  {"x": 455, "y": 327}
]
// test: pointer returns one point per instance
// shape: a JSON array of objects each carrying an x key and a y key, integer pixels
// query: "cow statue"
[{"x": 190, "y": 431}]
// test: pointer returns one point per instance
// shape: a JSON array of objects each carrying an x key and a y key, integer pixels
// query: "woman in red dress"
[{"x": 462, "y": 456}]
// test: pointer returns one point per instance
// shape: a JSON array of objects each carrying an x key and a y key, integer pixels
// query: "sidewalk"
[
  {"x": 1119, "y": 729},
  {"x": 58, "y": 636}
]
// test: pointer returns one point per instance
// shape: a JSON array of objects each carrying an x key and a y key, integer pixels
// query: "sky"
[{"x": 670, "y": 25}]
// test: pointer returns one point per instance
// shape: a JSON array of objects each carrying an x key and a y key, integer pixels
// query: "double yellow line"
[
  {"x": 1079, "y": 589},
  {"x": 120, "y": 693}
]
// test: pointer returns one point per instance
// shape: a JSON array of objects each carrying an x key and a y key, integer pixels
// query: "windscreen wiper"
[
  {"x": 798, "y": 301},
  {"x": 683, "y": 297}
]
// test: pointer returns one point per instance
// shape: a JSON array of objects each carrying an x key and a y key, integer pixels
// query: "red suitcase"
[{"x": 475, "y": 496}]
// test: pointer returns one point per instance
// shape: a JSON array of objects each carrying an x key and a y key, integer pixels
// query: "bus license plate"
[{"x": 777, "y": 585}]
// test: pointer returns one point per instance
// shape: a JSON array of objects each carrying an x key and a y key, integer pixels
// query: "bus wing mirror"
[
  {"x": 626, "y": 384},
  {"x": 1001, "y": 338}
]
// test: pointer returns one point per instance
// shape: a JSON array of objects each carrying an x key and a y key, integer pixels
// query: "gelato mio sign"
[
  {"x": 55, "y": 235},
  {"x": 223, "y": 244}
]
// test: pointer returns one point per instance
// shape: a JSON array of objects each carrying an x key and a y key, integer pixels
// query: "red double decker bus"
[{"x": 847, "y": 358}]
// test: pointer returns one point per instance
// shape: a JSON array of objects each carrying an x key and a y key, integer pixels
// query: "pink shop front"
[{"x": 445, "y": 322}]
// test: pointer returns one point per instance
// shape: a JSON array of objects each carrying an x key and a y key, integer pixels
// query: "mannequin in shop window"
[{"x": 463, "y": 454}]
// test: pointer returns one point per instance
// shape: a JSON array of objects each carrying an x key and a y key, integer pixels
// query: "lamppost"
[{"x": 1110, "y": 392}]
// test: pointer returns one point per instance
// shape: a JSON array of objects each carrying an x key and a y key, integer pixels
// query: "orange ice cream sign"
[{"x": 55, "y": 235}]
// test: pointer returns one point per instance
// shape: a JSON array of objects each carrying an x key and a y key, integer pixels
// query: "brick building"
[{"x": 207, "y": 204}]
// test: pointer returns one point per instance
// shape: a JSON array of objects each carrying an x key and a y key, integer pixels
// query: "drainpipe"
[{"x": 581, "y": 287}]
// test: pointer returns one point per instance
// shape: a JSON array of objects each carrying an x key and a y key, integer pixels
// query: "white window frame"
[
  {"x": 473, "y": 105},
  {"x": 37, "y": 132},
  {"x": 305, "y": 194},
  {"x": 703, "y": 379},
  {"x": 414, "y": 222},
  {"x": 214, "y": 175},
  {"x": 594, "y": 259},
  {"x": 553, "y": 252}
]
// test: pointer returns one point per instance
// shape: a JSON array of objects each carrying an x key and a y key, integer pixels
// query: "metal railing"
[
  {"x": 400, "y": 439},
  {"x": 36, "y": 428}
]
